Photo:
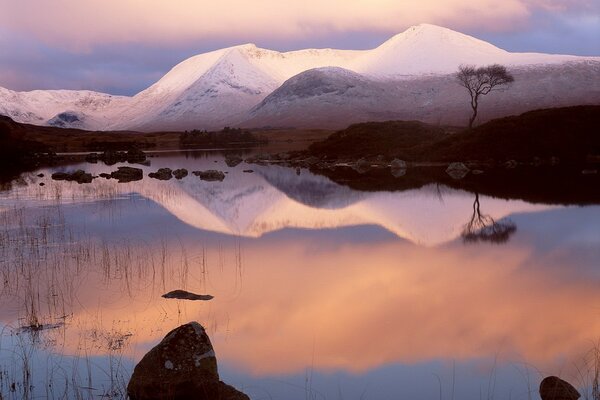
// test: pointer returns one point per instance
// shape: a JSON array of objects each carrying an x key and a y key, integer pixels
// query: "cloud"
[{"x": 75, "y": 24}]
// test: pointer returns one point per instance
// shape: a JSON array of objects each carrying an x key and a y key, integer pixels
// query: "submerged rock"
[
  {"x": 554, "y": 388},
  {"x": 163, "y": 174},
  {"x": 182, "y": 366},
  {"x": 457, "y": 170},
  {"x": 185, "y": 295},
  {"x": 210, "y": 175},
  {"x": 127, "y": 174}
]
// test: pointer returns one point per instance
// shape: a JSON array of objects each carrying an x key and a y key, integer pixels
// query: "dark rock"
[
  {"x": 92, "y": 158},
  {"x": 182, "y": 366},
  {"x": 248, "y": 171},
  {"x": 78, "y": 176},
  {"x": 511, "y": 164},
  {"x": 40, "y": 175},
  {"x": 42, "y": 184},
  {"x": 111, "y": 157},
  {"x": 232, "y": 160},
  {"x": 127, "y": 174},
  {"x": 554, "y": 388},
  {"x": 105, "y": 175},
  {"x": 163, "y": 174},
  {"x": 457, "y": 170},
  {"x": 135, "y": 156},
  {"x": 398, "y": 167},
  {"x": 185, "y": 295},
  {"x": 312, "y": 160},
  {"x": 210, "y": 175},
  {"x": 361, "y": 166},
  {"x": 180, "y": 173},
  {"x": 398, "y": 164}
]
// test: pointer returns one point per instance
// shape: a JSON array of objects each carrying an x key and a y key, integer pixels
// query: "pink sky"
[{"x": 123, "y": 46}]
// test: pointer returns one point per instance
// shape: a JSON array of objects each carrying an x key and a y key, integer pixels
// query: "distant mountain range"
[{"x": 409, "y": 76}]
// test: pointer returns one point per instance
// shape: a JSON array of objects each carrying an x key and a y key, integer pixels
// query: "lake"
[{"x": 320, "y": 291}]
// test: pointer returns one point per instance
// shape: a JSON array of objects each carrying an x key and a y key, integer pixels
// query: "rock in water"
[
  {"x": 127, "y": 174},
  {"x": 185, "y": 295},
  {"x": 163, "y": 174},
  {"x": 554, "y": 388},
  {"x": 232, "y": 160},
  {"x": 457, "y": 170},
  {"x": 180, "y": 173},
  {"x": 210, "y": 175},
  {"x": 182, "y": 366}
]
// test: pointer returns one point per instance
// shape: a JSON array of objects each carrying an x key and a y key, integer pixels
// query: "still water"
[{"x": 320, "y": 291}]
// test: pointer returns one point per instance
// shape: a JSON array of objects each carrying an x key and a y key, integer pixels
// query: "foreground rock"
[
  {"x": 78, "y": 176},
  {"x": 554, "y": 388},
  {"x": 183, "y": 366},
  {"x": 163, "y": 174},
  {"x": 127, "y": 174},
  {"x": 185, "y": 295},
  {"x": 210, "y": 175}
]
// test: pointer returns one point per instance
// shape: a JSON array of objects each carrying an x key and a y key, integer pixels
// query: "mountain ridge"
[{"x": 225, "y": 86}]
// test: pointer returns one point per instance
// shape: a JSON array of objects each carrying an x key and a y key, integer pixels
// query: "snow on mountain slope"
[
  {"x": 330, "y": 98},
  {"x": 228, "y": 86},
  {"x": 430, "y": 49},
  {"x": 92, "y": 109},
  {"x": 218, "y": 88}
]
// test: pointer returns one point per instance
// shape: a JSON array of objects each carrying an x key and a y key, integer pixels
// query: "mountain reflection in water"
[{"x": 307, "y": 275}]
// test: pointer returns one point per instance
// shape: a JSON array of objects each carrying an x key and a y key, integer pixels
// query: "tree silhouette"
[
  {"x": 480, "y": 81},
  {"x": 483, "y": 227}
]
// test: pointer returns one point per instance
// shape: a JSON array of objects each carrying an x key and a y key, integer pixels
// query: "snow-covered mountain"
[{"x": 408, "y": 76}]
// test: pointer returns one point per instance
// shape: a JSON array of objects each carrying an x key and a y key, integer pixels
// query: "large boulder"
[
  {"x": 182, "y": 366},
  {"x": 554, "y": 388}
]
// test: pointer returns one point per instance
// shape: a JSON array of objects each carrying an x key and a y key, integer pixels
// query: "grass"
[{"x": 570, "y": 134}]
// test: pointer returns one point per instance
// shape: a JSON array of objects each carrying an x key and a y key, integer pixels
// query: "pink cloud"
[{"x": 75, "y": 24}]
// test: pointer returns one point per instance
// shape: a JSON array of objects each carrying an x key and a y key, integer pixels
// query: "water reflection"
[
  {"x": 344, "y": 299},
  {"x": 482, "y": 227}
]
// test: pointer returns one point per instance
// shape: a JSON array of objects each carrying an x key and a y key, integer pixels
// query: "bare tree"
[
  {"x": 484, "y": 228},
  {"x": 480, "y": 81}
]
